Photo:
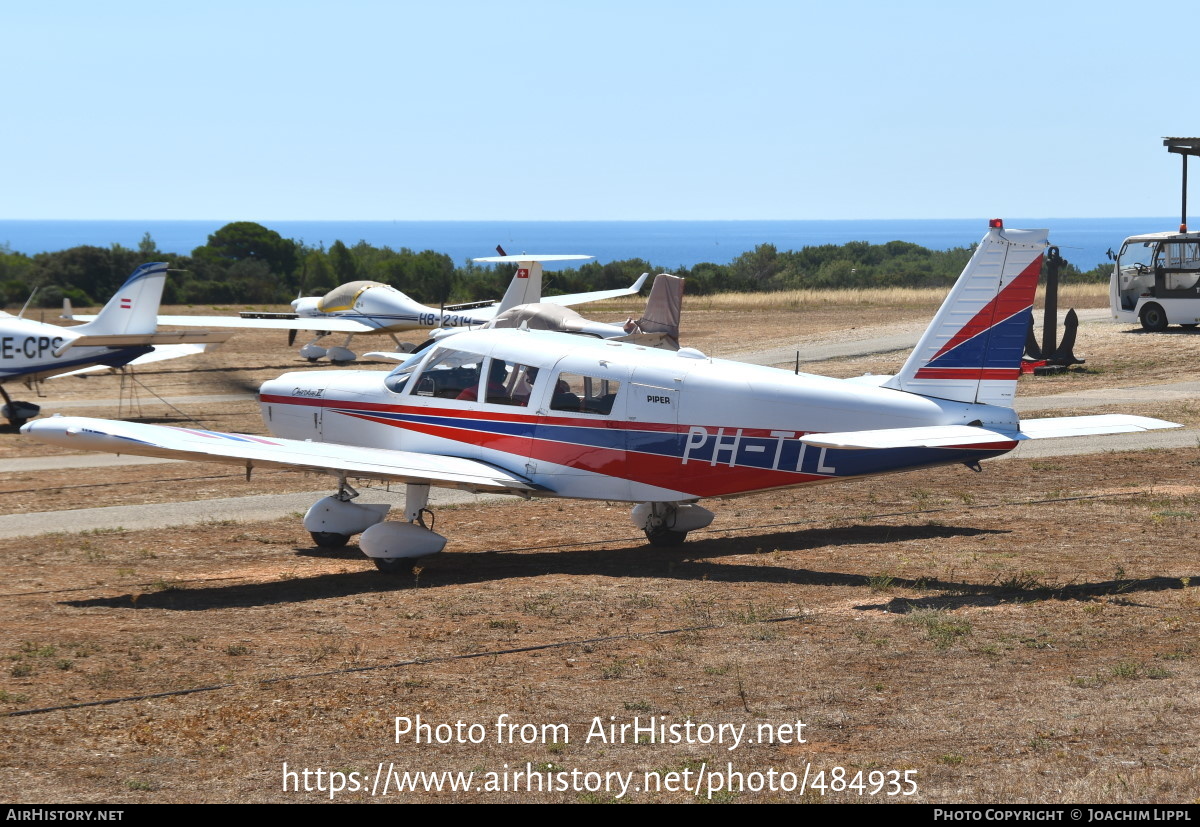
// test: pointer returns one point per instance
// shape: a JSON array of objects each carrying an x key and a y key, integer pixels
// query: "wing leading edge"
[{"x": 249, "y": 451}]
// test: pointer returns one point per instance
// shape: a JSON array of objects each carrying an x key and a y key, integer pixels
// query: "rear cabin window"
[{"x": 578, "y": 393}]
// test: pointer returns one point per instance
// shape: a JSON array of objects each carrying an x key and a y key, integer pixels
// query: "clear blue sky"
[{"x": 606, "y": 110}]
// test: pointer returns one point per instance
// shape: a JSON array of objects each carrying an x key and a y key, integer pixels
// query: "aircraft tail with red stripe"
[{"x": 972, "y": 350}]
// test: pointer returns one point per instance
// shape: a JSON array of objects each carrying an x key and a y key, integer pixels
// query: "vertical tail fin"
[
  {"x": 526, "y": 286},
  {"x": 971, "y": 352},
  {"x": 663, "y": 310},
  {"x": 134, "y": 308}
]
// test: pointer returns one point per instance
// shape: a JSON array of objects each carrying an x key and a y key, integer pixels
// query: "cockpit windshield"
[{"x": 398, "y": 378}]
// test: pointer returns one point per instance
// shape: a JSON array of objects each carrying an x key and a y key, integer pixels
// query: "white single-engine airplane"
[
  {"x": 369, "y": 307},
  {"x": 533, "y": 413},
  {"x": 123, "y": 333}
]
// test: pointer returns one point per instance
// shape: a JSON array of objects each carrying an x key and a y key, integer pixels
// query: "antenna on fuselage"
[{"x": 25, "y": 307}]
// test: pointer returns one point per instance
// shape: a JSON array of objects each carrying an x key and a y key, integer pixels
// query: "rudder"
[{"x": 971, "y": 352}]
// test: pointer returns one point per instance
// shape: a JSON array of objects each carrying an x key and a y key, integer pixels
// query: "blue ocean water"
[{"x": 665, "y": 244}]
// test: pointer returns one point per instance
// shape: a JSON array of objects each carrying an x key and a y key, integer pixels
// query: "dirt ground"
[{"x": 1024, "y": 634}]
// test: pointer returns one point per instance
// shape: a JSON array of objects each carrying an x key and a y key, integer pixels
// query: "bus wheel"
[{"x": 1154, "y": 318}]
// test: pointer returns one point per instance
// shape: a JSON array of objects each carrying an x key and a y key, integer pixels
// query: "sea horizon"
[{"x": 666, "y": 243}]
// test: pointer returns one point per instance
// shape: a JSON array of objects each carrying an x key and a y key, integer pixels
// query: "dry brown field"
[{"x": 1026, "y": 634}]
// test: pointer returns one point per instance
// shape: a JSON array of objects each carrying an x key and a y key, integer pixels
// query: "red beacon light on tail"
[{"x": 996, "y": 224}]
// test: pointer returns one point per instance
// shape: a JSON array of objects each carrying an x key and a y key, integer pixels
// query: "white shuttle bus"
[{"x": 1156, "y": 281}]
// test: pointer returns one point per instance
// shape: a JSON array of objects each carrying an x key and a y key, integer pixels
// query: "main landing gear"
[
  {"x": 667, "y": 524},
  {"x": 334, "y": 520}
]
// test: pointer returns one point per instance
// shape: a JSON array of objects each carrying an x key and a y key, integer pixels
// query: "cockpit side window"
[{"x": 578, "y": 393}]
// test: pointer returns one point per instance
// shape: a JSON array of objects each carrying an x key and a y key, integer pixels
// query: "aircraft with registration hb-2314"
[
  {"x": 372, "y": 308},
  {"x": 534, "y": 413}
]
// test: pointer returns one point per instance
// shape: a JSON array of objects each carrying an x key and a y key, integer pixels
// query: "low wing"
[
  {"x": 159, "y": 354},
  {"x": 968, "y": 436},
  {"x": 330, "y": 323},
  {"x": 250, "y": 451},
  {"x": 596, "y": 295}
]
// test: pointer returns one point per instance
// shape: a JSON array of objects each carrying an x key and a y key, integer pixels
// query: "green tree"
[{"x": 248, "y": 241}]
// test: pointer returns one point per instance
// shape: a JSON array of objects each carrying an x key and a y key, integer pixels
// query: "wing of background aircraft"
[
  {"x": 250, "y": 452},
  {"x": 596, "y": 295},
  {"x": 331, "y": 323}
]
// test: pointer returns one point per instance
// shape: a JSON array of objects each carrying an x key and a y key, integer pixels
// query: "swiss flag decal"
[{"x": 522, "y": 272}]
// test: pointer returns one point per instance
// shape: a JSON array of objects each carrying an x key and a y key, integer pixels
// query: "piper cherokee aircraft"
[
  {"x": 369, "y": 307},
  {"x": 534, "y": 413},
  {"x": 123, "y": 333}
]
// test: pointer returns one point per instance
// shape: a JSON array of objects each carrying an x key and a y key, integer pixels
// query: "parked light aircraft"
[
  {"x": 533, "y": 413},
  {"x": 123, "y": 333},
  {"x": 369, "y": 307}
]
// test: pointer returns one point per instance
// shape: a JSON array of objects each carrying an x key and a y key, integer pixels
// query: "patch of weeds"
[
  {"x": 640, "y": 601},
  {"x": 942, "y": 629},
  {"x": 139, "y": 785},
  {"x": 21, "y": 670},
  {"x": 1125, "y": 669},
  {"x": 766, "y": 632},
  {"x": 616, "y": 669},
  {"x": 556, "y": 748},
  {"x": 541, "y": 605},
  {"x": 1023, "y": 581},
  {"x": 950, "y": 759},
  {"x": 236, "y": 649},
  {"x": 882, "y": 582},
  {"x": 7, "y": 697},
  {"x": 1172, "y": 514},
  {"x": 922, "y": 497},
  {"x": 165, "y": 586},
  {"x": 717, "y": 670},
  {"x": 637, "y": 706},
  {"x": 34, "y": 651},
  {"x": 722, "y": 797},
  {"x": 1155, "y": 672},
  {"x": 64, "y": 664},
  {"x": 509, "y": 625}
]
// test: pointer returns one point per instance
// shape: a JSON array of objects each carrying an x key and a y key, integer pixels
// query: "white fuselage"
[
  {"x": 27, "y": 350},
  {"x": 657, "y": 425},
  {"x": 387, "y": 310}
]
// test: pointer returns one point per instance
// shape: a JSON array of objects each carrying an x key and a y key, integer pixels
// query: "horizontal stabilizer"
[
  {"x": 179, "y": 337},
  {"x": 1059, "y": 426},
  {"x": 934, "y": 436},
  {"x": 249, "y": 451},
  {"x": 985, "y": 439},
  {"x": 160, "y": 354},
  {"x": 530, "y": 257}
]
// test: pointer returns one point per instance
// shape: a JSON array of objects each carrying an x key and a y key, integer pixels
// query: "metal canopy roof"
[{"x": 1182, "y": 146}]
